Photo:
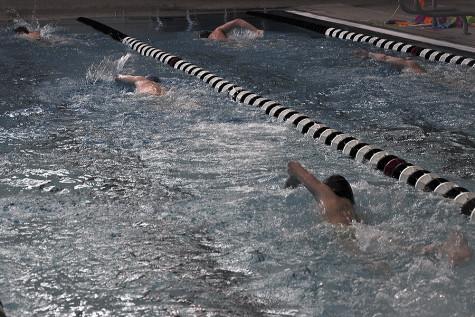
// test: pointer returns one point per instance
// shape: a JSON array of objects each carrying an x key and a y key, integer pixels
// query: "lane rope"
[
  {"x": 334, "y": 31},
  {"x": 389, "y": 164},
  {"x": 427, "y": 53}
]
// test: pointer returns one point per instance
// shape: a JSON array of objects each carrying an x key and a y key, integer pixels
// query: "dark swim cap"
[
  {"x": 153, "y": 78},
  {"x": 205, "y": 34},
  {"x": 340, "y": 186},
  {"x": 21, "y": 30}
]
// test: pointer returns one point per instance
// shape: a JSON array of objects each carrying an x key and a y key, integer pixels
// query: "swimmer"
[
  {"x": 148, "y": 85},
  {"x": 220, "y": 33},
  {"x": 456, "y": 249},
  {"x": 405, "y": 64},
  {"x": 337, "y": 200},
  {"x": 334, "y": 194},
  {"x": 25, "y": 33}
]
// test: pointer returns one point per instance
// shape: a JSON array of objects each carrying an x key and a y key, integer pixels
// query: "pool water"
[{"x": 117, "y": 204}]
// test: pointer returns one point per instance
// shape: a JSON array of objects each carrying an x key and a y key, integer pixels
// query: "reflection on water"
[{"x": 112, "y": 203}]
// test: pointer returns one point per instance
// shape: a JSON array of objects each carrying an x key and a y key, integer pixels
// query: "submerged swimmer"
[
  {"x": 25, "y": 33},
  {"x": 336, "y": 198},
  {"x": 148, "y": 85},
  {"x": 334, "y": 193},
  {"x": 221, "y": 32},
  {"x": 455, "y": 249},
  {"x": 405, "y": 64}
]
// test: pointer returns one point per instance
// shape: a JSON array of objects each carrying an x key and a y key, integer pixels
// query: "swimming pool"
[{"x": 118, "y": 204}]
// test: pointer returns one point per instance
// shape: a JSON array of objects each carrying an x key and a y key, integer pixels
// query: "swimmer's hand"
[
  {"x": 292, "y": 181},
  {"x": 260, "y": 33}
]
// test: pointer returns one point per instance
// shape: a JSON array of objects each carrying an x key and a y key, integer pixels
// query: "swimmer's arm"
[
  {"x": 397, "y": 61},
  {"x": 408, "y": 65},
  {"x": 237, "y": 23},
  {"x": 378, "y": 57},
  {"x": 218, "y": 35},
  {"x": 414, "y": 67},
  {"x": 128, "y": 78},
  {"x": 298, "y": 174},
  {"x": 361, "y": 53}
]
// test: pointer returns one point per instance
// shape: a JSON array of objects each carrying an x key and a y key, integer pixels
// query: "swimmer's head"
[
  {"x": 340, "y": 186},
  {"x": 205, "y": 34},
  {"x": 21, "y": 30},
  {"x": 153, "y": 78}
]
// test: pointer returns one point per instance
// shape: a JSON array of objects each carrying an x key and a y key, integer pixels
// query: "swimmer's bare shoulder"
[
  {"x": 336, "y": 209},
  {"x": 149, "y": 87},
  {"x": 142, "y": 84},
  {"x": 218, "y": 35}
]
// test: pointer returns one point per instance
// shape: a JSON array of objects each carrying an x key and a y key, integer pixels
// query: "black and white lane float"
[
  {"x": 389, "y": 164},
  {"x": 385, "y": 39}
]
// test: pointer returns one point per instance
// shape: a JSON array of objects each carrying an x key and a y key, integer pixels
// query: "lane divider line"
[
  {"x": 389, "y": 164},
  {"x": 331, "y": 27}
]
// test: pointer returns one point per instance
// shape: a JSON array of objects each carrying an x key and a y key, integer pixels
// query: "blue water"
[{"x": 116, "y": 204}]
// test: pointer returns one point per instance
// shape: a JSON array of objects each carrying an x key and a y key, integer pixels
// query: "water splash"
[
  {"x": 32, "y": 25},
  {"x": 120, "y": 63},
  {"x": 371, "y": 239},
  {"x": 239, "y": 34},
  {"x": 158, "y": 21},
  {"x": 47, "y": 31},
  {"x": 191, "y": 23},
  {"x": 225, "y": 16},
  {"x": 12, "y": 13},
  {"x": 106, "y": 69}
]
